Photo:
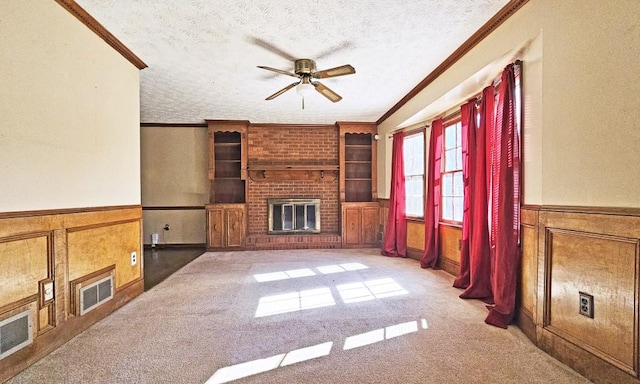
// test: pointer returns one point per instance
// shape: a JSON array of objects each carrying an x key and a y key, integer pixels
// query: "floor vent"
[
  {"x": 15, "y": 333},
  {"x": 92, "y": 295}
]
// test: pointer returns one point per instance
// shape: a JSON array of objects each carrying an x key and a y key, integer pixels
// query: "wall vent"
[
  {"x": 15, "y": 333},
  {"x": 94, "y": 294}
]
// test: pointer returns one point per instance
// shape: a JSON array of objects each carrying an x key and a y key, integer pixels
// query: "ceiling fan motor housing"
[{"x": 304, "y": 67}]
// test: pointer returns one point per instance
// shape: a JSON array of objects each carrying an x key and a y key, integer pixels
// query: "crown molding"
[
  {"x": 88, "y": 20},
  {"x": 493, "y": 23}
]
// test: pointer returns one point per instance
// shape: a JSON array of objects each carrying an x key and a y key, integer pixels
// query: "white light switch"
[
  {"x": 134, "y": 258},
  {"x": 48, "y": 291}
]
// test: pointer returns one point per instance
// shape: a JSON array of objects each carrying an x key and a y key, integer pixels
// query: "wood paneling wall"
[
  {"x": 565, "y": 251},
  {"x": 450, "y": 238},
  {"x": 568, "y": 250},
  {"x": 61, "y": 246},
  {"x": 415, "y": 239}
]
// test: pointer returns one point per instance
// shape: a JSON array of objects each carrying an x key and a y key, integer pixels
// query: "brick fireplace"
[{"x": 292, "y": 162}]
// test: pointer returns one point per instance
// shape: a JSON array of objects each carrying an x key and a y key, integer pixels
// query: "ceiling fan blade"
[
  {"x": 326, "y": 92},
  {"x": 270, "y": 47},
  {"x": 278, "y": 71},
  {"x": 336, "y": 48},
  {"x": 283, "y": 90},
  {"x": 333, "y": 72}
]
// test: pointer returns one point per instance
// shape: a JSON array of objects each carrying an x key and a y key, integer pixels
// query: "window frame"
[
  {"x": 408, "y": 134},
  {"x": 449, "y": 122}
]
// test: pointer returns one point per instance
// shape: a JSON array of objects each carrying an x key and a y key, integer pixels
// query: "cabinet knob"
[
  {"x": 233, "y": 226},
  {"x": 215, "y": 227}
]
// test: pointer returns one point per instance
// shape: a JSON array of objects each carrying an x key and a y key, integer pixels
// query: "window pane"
[
  {"x": 414, "y": 203},
  {"x": 447, "y": 208},
  {"x": 458, "y": 158},
  {"x": 458, "y": 185},
  {"x": 458, "y": 206},
  {"x": 311, "y": 216},
  {"x": 287, "y": 217},
  {"x": 277, "y": 217},
  {"x": 299, "y": 222},
  {"x": 459, "y": 134},
  {"x": 450, "y": 137},
  {"x": 447, "y": 184},
  {"x": 450, "y": 160},
  {"x": 413, "y": 154}
]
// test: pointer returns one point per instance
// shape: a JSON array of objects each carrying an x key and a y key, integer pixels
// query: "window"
[
  {"x": 452, "y": 185},
  {"x": 413, "y": 154}
]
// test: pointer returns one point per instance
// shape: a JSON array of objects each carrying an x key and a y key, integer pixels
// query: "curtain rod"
[
  {"x": 390, "y": 135},
  {"x": 455, "y": 114}
]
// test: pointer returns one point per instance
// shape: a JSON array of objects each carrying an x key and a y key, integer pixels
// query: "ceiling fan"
[{"x": 305, "y": 70}]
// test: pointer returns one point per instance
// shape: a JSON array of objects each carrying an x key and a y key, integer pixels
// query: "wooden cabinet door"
[
  {"x": 352, "y": 226},
  {"x": 369, "y": 225},
  {"x": 215, "y": 224},
  {"x": 235, "y": 227}
]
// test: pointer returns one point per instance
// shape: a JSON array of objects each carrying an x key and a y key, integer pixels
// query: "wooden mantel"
[{"x": 277, "y": 172}]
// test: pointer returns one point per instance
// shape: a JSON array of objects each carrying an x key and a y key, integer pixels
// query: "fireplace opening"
[{"x": 294, "y": 216}]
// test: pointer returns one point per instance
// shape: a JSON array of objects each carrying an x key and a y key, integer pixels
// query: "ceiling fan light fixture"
[
  {"x": 305, "y": 88},
  {"x": 305, "y": 70}
]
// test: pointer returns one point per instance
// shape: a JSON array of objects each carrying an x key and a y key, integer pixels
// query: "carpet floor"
[{"x": 315, "y": 316}]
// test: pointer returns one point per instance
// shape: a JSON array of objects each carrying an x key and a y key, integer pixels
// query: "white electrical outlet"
[{"x": 134, "y": 258}]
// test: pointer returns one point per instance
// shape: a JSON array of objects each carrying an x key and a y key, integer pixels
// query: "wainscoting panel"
[
  {"x": 93, "y": 248},
  {"x": 601, "y": 266},
  {"x": 595, "y": 251},
  {"x": 42, "y": 251},
  {"x": 450, "y": 240},
  {"x": 24, "y": 261},
  {"x": 415, "y": 239},
  {"x": 529, "y": 269}
]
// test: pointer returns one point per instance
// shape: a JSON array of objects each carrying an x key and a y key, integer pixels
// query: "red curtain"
[
  {"x": 505, "y": 200},
  {"x": 432, "y": 202},
  {"x": 395, "y": 236},
  {"x": 475, "y": 257}
]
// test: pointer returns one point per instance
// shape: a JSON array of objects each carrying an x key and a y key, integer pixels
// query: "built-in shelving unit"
[
  {"x": 358, "y": 186},
  {"x": 358, "y": 167},
  {"x": 229, "y": 186},
  {"x": 226, "y": 219}
]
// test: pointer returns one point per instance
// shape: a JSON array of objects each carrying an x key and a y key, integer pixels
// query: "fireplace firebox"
[{"x": 287, "y": 216}]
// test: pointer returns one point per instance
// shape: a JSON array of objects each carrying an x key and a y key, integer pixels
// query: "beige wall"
[
  {"x": 581, "y": 81},
  {"x": 69, "y": 115},
  {"x": 591, "y": 135},
  {"x": 174, "y": 174}
]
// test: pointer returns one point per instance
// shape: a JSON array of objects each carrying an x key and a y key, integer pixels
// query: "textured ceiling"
[{"x": 202, "y": 55}]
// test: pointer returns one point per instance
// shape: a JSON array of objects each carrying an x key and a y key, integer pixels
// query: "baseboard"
[
  {"x": 415, "y": 253},
  {"x": 178, "y": 245},
  {"x": 580, "y": 360},
  {"x": 449, "y": 266},
  {"x": 526, "y": 324}
]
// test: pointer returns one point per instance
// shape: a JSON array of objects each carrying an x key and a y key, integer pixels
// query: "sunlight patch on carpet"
[
  {"x": 306, "y": 272},
  {"x": 250, "y": 368},
  {"x": 294, "y": 301},
  {"x": 283, "y": 275},
  {"x": 238, "y": 371},
  {"x": 308, "y": 353},
  {"x": 381, "y": 334},
  {"x": 370, "y": 290}
]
